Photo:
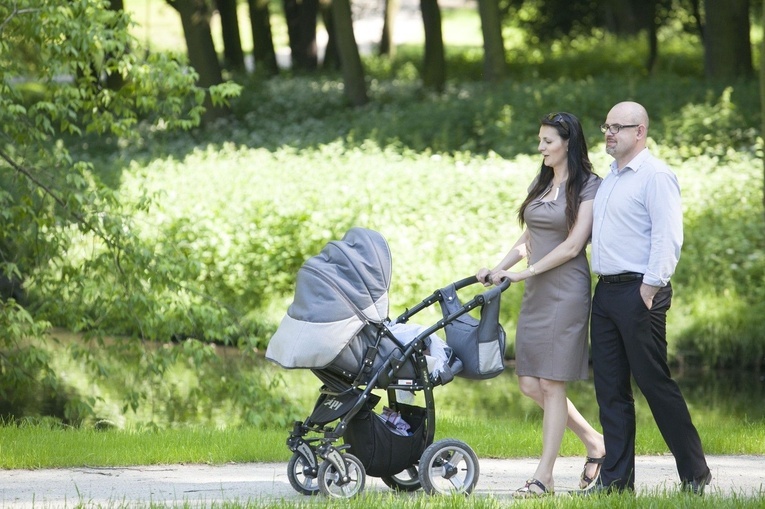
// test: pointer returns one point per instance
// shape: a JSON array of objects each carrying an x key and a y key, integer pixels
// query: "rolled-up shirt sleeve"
[{"x": 663, "y": 202}]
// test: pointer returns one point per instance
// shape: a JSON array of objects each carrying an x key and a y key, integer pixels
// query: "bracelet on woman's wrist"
[{"x": 532, "y": 270}]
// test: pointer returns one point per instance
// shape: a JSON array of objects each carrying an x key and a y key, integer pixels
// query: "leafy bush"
[
  {"x": 695, "y": 129},
  {"x": 721, "y": 275}
]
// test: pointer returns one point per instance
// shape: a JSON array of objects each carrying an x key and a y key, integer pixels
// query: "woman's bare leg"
[{"x": 548, "y": 394}]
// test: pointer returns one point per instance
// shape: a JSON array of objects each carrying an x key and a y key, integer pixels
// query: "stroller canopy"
[{"x": 338, "y": 291}]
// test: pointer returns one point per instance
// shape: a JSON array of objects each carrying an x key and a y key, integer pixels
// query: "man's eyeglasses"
[{"x": 615, "y": 128}]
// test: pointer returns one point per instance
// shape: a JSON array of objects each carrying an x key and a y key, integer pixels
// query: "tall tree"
[
  {"x": 195, "y": 19},
  {"x": 653, "y": 34},
  {"x": 762, "y": 96},
  {"x": 350, "y": 60},
  {"x": 233, "y": 55},
  {"x": 727, "y": 47},
  {"x": 621, "y": 16},
  {"x": 263, "y": 52},
  {"x": 390, "y": 10},
  {"x": 114, "y": 79},
  {"x": 301, "y": 18},
  {"x": 494, "y": 61},
  {"x": 434, "y": 64},
  {"x": 331, "y": 55}
]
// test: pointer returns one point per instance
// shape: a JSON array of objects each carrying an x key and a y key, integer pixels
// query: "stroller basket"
[{"x": 380, "y": 448}]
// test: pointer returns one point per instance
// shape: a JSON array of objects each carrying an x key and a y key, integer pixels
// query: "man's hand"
[{"x": 648, "y": 292}]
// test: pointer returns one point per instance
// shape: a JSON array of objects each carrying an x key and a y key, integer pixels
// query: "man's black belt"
[{"x": 624, "y": 277}]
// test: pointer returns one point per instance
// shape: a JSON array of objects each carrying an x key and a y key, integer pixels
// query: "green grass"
[
  {"x": 421, "y": 501},
  {"x": 626, "y": 501},
  {"x": 41, "y": 446}
]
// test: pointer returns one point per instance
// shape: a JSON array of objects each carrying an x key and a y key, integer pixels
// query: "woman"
[{"x": 551, "y": 337}]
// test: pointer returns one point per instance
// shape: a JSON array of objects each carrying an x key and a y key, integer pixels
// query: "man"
[{"x": 636, "y": 239}]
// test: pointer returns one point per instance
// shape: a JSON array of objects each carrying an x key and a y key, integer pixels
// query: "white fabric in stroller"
[{"x": 435, "y": 354}]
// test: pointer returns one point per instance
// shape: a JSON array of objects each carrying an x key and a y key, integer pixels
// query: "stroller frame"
[{"x": 319, "y": 465}]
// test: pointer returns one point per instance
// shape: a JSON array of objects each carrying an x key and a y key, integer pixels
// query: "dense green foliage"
[
  {"x": 172, "y": 243},
  {"x": 67, "y": 70},
  {"x": 299, "y": 168}
]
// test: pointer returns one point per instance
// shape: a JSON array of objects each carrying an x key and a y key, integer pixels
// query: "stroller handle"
[
  {"x": 504, "y": 283},
  {"x": 462, "y": 283},
  {"x": 478, "y": 300}
]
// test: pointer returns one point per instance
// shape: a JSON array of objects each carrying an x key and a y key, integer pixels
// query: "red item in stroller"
[{"x": 338, "y": 327}]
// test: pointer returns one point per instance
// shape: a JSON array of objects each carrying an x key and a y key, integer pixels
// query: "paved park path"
[{"x": 200, "y": 485}]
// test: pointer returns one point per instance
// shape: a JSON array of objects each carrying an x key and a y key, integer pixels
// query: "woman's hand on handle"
[
  {"x": 498, "y": 276},
  {"x": 495, "y": 277},
  {"x": 484, "y": 276}
]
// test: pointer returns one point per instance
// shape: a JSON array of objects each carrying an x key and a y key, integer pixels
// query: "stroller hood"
[{"x": 337, "y": 292}]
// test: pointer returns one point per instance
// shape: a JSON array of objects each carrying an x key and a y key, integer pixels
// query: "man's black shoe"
[
  {"x": 697, "y": 485},
  {"x": 598, "y": 489}
]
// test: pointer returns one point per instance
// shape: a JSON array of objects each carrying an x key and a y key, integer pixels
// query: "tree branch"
[{"x": 15, "y": 12}]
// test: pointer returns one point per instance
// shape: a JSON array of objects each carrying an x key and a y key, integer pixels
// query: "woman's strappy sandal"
[
  {"x": 527, "y": 492},
  {"x": 585, "y": 481}
]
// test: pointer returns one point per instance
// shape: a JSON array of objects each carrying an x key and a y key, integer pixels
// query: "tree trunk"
[
  {"x": 114, "y": 80},
  {"x": 697, "y": 16},
  {"x": 195, "y": 19},
  {"x": 620, "y": 17},
  {"x": 494, "y": 62},
  {"x": 762, "y": 98},
  {"x": 301, "y": 28},
  {"x": 233, "y": 55},
  {"x": 331, "y": 55},
  {"x": 727, "y": 47},
  {"x": 350, "y": 60},
  {"x": 434, "y": 66},
  {"x": 653, "y": 37},
  {"x": 387, "y": 47},
  {"x": 263, "y": 52}
]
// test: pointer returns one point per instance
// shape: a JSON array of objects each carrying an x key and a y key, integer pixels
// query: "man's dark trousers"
[{"x": 629, "y": 339}]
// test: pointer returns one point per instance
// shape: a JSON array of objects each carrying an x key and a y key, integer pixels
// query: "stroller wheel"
[
  {"x": 406, "y": 480},
  {"x": 301, "y": 477},
  {"x": 330, "y": 482},
  {"x": 448, "y": 466}
]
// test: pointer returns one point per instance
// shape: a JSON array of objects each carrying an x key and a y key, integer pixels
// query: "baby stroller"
[{"x": 338, "y": 327}]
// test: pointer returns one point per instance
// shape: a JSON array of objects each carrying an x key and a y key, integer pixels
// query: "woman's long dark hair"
[{"x": 579, "y": 166}]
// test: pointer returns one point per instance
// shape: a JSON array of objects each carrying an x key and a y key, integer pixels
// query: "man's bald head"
[
  {"x": 632, "y": 134},
  {"x": 632, "y": 112}
]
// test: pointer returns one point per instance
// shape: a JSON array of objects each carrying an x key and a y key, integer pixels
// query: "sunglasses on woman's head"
[{"x": 556, "y": 118}]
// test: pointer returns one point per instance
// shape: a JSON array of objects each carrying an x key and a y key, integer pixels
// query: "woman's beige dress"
[{"x": 551, "y": 338}]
